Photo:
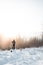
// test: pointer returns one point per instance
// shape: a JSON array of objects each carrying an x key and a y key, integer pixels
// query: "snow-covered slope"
[{"x": 27, "y": 56}]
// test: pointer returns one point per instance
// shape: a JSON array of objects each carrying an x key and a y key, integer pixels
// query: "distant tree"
[{"x": 42, "y": 38}]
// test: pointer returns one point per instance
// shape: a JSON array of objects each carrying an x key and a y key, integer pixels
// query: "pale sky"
[{"x": 21, "y": 17}]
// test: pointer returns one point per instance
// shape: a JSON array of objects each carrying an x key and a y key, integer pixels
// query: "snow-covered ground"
[{"x": 27, "y": 56}]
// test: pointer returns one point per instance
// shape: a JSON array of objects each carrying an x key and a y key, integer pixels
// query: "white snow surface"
[{"x": 27, "y": 56}]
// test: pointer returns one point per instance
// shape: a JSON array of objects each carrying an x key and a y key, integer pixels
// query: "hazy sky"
[{"x": 21, "y": 17}]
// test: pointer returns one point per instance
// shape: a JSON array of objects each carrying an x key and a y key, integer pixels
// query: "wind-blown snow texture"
[{"x": 27, "y": 56}]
